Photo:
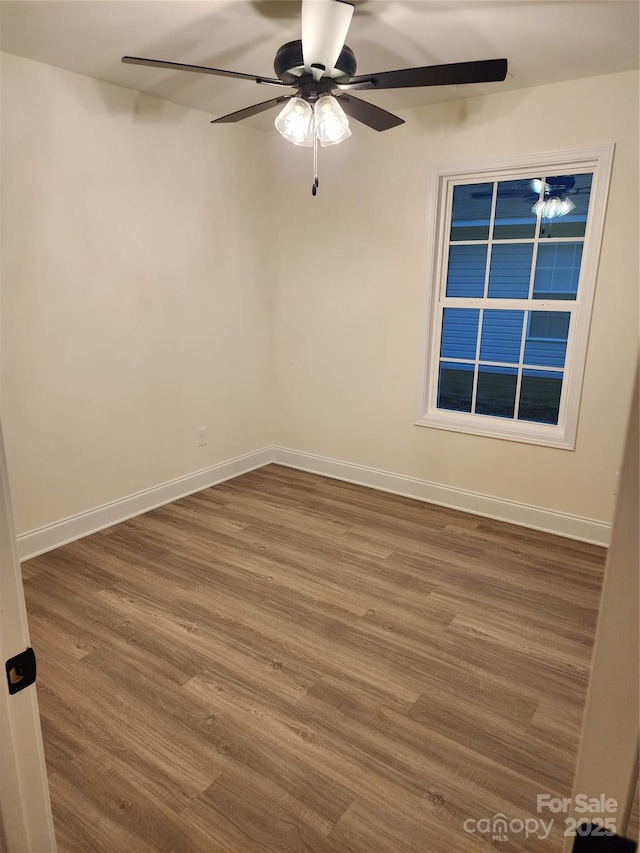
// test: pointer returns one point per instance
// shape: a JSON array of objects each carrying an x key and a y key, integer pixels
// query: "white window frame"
[{"x": 441, "y": 182}]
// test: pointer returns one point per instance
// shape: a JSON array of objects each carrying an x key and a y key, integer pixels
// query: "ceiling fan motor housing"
[
  {"x": 561, "y": 184},
  {"x": 289, "y": 64}
]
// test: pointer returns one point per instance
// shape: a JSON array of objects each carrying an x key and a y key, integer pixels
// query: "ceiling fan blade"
[
  {"x": 199, "y": 69},
  {"x": 453, "y": 74},
  {"x": 325, "y": 24},
  {"x": 369, "y": 114},
  {"x": 247, "y": 112}
]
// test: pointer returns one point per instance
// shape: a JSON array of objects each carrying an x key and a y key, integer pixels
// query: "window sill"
[{"x": 506, "y": 430}]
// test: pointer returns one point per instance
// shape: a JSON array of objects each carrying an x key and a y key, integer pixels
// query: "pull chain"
[{"x": 314, "y": 186}]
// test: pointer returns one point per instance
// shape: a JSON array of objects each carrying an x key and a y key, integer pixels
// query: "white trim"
[
  {"x": 536, "y": 518},
  {"x": 69, "y": 529},
  {"x": 75, "y": 527},
  {"x": 440, "y": 178},
  {"x": 516, "y": 165}
]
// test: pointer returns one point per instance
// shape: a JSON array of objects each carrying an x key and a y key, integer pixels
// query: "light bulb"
[
  {"x": 295, "y": 122},
  {"x": 332, "y": 125}
]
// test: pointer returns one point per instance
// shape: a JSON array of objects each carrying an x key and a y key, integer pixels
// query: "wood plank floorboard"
[{"x": 286, "y": 662}]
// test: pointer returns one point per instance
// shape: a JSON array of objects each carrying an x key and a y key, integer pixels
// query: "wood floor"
[{"x": 290, "y": 663}]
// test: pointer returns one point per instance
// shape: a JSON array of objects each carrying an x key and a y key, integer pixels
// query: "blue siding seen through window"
[
  {"x": 557, "y": 271},
  {"x": 501, "y": 336},
  {"x": 510, "y": 270},
  {"x": 466, "y": 271},
  {"x": 546, "y": 343},
  {"x": 459, "y": 333}
]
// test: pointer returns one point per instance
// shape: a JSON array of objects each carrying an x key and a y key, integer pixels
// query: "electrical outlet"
[{"x": 203, "y": 438}]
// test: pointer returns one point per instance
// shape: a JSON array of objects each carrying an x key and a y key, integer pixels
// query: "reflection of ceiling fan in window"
[
  {"x": 552, "y": 194},
  {"x": 554, "y": 198}
]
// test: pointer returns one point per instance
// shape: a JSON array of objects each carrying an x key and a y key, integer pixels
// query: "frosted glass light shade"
[
  {"x": 332, "y": 125},
  {"x": 553, "y": 207},
  {"x": 295, "y": 122}
]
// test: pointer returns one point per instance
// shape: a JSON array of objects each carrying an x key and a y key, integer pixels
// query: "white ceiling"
[{"x": 544, "y": 40}]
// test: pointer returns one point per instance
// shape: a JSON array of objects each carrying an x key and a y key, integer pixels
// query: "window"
[{"x": 515, "y": 253}]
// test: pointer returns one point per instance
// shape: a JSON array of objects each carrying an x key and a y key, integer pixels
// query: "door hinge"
[{"x": 21, "y": 670}]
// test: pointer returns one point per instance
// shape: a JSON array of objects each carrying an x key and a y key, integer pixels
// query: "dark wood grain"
[{"x": 290, "y": 663}]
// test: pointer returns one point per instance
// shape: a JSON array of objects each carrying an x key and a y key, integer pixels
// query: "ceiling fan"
[{"x": 321, "y": 64}]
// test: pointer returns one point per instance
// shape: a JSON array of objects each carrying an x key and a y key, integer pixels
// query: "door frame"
[{"x": 26, "y": 823}]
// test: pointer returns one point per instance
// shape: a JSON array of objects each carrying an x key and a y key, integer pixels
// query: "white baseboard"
[
  {"x": 61, "y": 532},
  {"x": 68, "y": 529},
  {"x": 537, "y": 518}
]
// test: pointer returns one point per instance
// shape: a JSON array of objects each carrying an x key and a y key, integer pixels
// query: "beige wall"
[
  {"x": 351, "y": 284},
  {"x": 160, "y": 275},
  {"x": 134, "y": 306}
]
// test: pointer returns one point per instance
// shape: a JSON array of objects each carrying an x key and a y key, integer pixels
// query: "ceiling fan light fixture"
[
  {"x": 553, "y": 208},
  {"x": 295, "y": 122},
  {"x": 332, "y": 124}
]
